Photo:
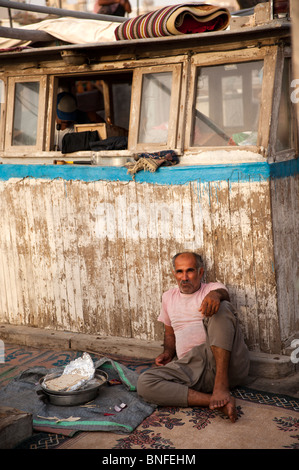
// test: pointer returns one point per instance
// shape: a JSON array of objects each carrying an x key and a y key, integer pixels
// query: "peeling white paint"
[
  {"x": 95, "y": 257},
  {"x": 140, "y": 221}
]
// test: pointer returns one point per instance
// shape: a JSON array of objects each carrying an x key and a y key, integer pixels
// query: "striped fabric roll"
[{"x": 188, "y": 18}]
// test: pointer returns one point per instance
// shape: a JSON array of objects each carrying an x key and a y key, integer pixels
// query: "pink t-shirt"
[{"x": 181, "y": 312}]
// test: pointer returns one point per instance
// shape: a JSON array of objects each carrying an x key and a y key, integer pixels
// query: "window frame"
[
  {"x": 53, "y": 90},
  {"x": 276, "y": 155},
  {"x": 173, "y": 129},
  {"x": 268, "y": 54},
  {"x": 41, "y": 118}
]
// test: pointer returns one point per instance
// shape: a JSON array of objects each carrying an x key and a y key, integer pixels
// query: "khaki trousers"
[{"x": 168, "y": 385}]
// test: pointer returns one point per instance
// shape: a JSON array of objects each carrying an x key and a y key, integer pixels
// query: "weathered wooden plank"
[
  {"x": 203, "y": 191},
  {"x": 70, "y": 244},
  {"x": 247, "y": 285},
  {"x": 5, "y": 291},
  {"x": 21, "y": 260},
  {"x": 56, "y": 194},
  {"x": 236, "y": 283},
  {"x": 285, "y": 209},
  {"x": 219, "y": 200},
  {"x": 119, "y": 267},
  {"x": 263, "y": 257}
]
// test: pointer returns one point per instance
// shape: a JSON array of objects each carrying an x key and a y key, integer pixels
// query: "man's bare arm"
[
  {"x": 211, "y": 303},
  {"x": 169, "y": 347}
]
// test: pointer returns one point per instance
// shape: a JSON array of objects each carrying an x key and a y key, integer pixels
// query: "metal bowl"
[{"x": 86, "y": 393}]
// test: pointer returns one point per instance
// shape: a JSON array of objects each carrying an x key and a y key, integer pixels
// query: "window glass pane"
[
  {"x": 121, "y": 98},
  {"x": 155, "y": 108},
  {"x": 284, "y": 129},
  {"x": 226, "y": 110},
  {"x": 25, "y": 113}
]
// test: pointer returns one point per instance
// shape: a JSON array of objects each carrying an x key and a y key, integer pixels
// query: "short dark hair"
[{"x": 198, "y": 258}]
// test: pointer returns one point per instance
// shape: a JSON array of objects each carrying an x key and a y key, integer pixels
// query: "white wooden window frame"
[
  {"x": 42, "y": 114},
  {"x": 269, "y": 55},
  {"x": 172, "y": 141}
]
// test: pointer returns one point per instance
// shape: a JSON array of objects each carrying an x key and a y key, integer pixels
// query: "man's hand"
[
  {"x": 211, "y": 303},
  {"x": 169, "y": 347},
  {"x": 163, "y": 358}
]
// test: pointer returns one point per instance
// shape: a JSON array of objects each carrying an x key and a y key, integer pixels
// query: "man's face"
[{"x": 186, "y": 273}]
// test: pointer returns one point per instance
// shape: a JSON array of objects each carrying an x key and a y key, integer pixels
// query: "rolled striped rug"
[{"x": 186, "y": 18}]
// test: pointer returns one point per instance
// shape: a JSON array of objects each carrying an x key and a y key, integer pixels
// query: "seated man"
[{"x": 202, "y": 330}]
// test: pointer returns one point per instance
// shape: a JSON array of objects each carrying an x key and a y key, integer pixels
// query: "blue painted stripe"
[
  {"x": 176, "y": 175},
  {"x": 285, "y": 169}
]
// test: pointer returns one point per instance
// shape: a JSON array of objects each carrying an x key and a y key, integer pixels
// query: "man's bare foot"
[
  {"x": 219, "y": 398},
  {"x": 229, "y": 409},
  {"x": 204, "y": 399}
]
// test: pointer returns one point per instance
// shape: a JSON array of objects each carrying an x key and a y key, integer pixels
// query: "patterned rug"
[
  {"x": 187, "y": 18},
  {"x": 265, "y": 420},
  {"x": 257, "y": 427}
]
